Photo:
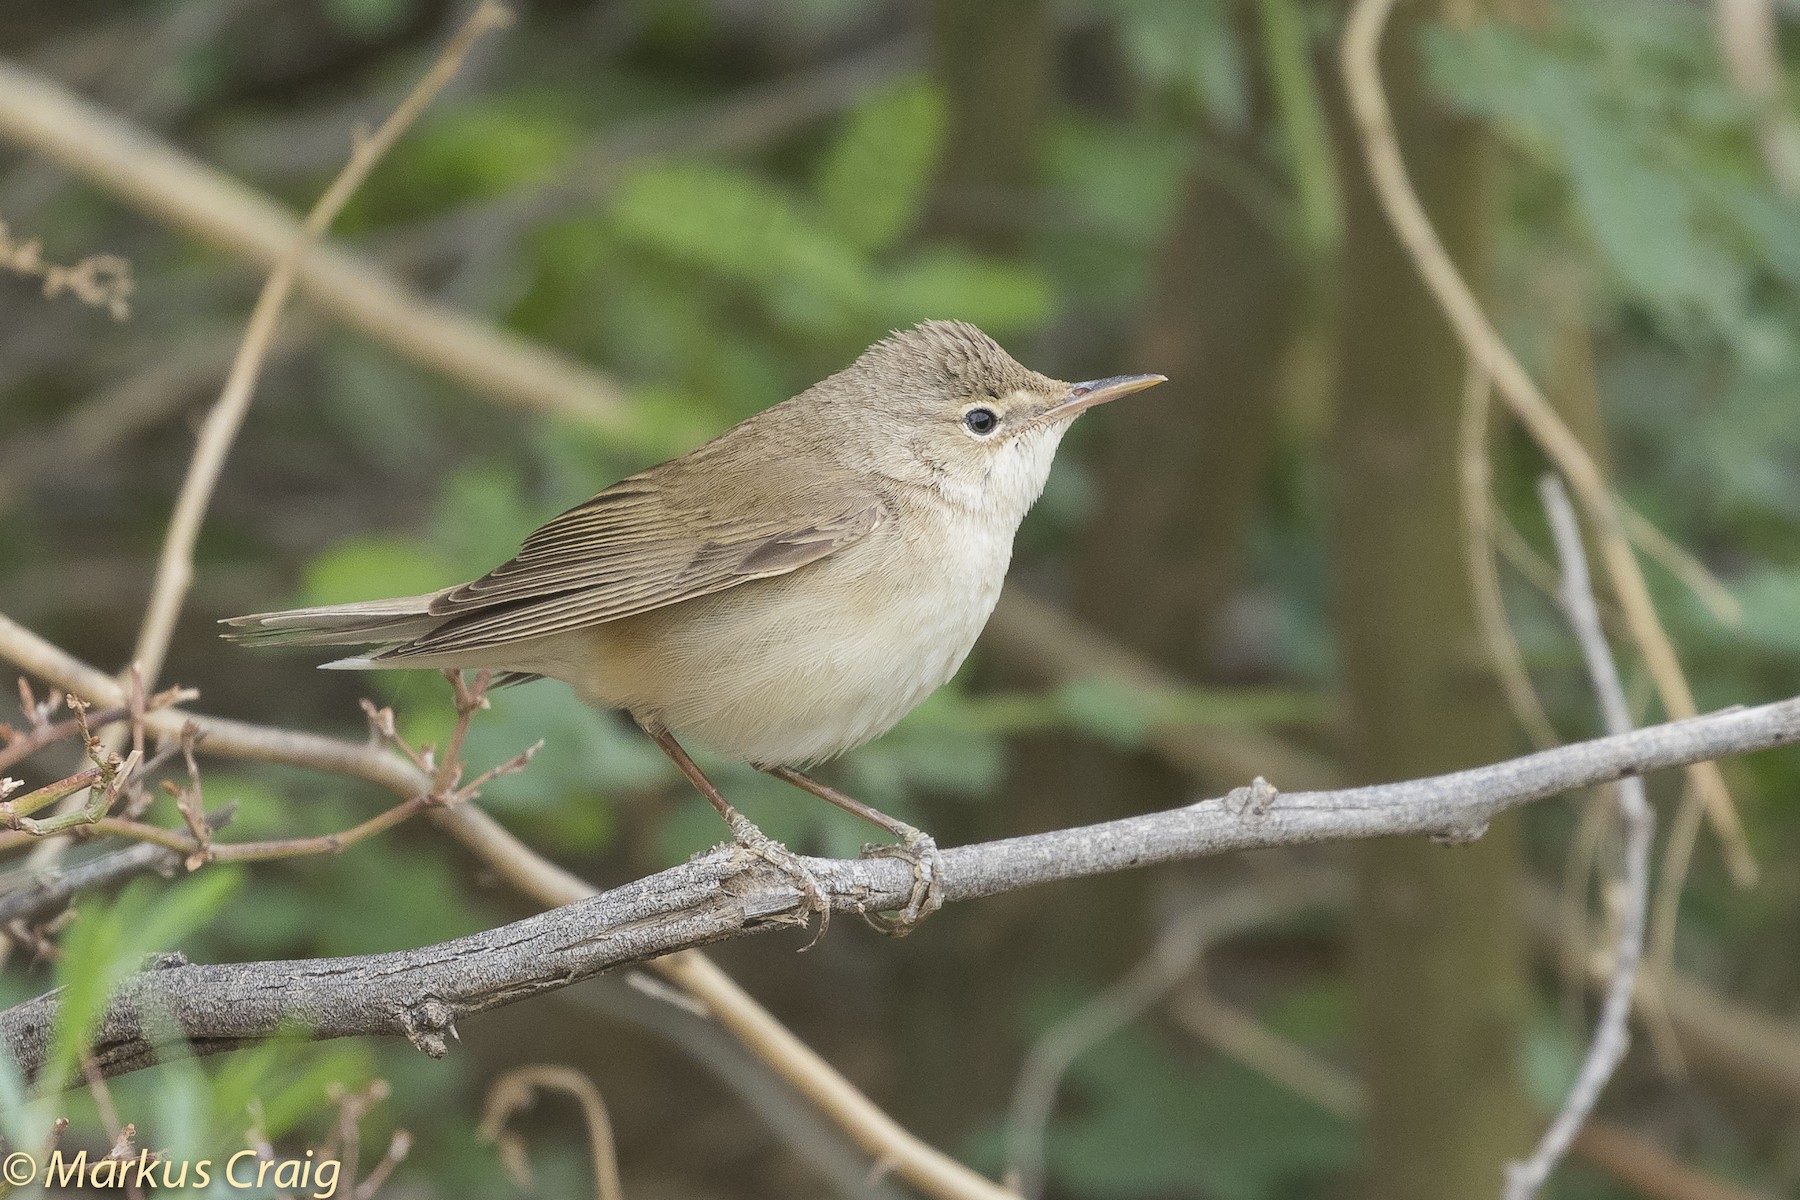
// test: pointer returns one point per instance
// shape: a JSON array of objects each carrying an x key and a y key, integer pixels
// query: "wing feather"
[{"x": 640, "y": 545}]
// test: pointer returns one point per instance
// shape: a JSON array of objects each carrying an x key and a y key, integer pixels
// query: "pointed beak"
[{"x": 1084, "y": 396}]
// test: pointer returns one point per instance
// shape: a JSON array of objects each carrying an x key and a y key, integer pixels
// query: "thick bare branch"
[{"x": 421, "y": 994}]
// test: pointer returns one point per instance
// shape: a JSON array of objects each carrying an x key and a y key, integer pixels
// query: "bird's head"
[{"x": 950, "y": 409}]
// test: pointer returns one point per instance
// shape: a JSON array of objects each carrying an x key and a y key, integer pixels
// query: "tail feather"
[{"x": 364, "y": 623}]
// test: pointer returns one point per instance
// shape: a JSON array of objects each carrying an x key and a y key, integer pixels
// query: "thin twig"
[
  {"x": 1484, "y": 575},
  {"x": 515, "y": 1091},
  {"x": 175, "y": 567},
  {"x": 99, "y": 280},
  {"x": 197, "y": 845},
  {"x": 34, "y": 896},
  {"x": 21, "y": 746},
  {"x": 1630, "y": 1157},
  {"x": 1175, "y": 955},
  {"x": 1612, "y": 1035},
  {"x": 1489, "y": 352}
]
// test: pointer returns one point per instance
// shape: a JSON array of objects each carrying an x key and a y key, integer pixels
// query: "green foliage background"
[{"x": 567, "y": 190}]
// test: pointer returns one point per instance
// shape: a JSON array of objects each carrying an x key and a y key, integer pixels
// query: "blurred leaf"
[
  {"x": 1553, "y": 1054},
  {"x": 1001, "y": 298},
  {"x": 1111, "y": 712},
  {"x": 1189, "y": 46},
  {"x": 1641, "y": 218},
  {"x": 1771, "y": 605},
  {"x": 1622, "y": 108},
  {"x": 22, "y": 1122},
  {"x": 747, "y": 229},
  {"x": 262, "y": 811},
  {"x": 288, "y": 1075},
  {"x": 928, "y": 757},
  {"x": 481, "y": 519},
  {"x": 1122, "y": 715},
  {"x": 110, "y": 942},
  {"x": 478, "y": 150},
  {"x": 1125, "y": 181},
  {"x": 368, "y": 18},
  {"x": 569, "y": 794},
  {"x": 376, "y": 565},
  {"x": 1140, "y": 1119},
  {"x": 872, "y": 181},
  {"x": 1771, "y": 224}
]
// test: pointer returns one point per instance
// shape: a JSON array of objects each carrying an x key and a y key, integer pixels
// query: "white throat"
[{"x": 1016, "y": 474}]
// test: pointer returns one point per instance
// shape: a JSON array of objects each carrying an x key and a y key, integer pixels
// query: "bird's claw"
[
  {"x": 918, "y": 849},
  {"x": 812, "y": 896}
]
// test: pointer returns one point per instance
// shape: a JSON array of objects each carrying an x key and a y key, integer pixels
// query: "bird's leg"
[
  {"x": 916, "y": 847},
  {"x": 744, "y": 831}
]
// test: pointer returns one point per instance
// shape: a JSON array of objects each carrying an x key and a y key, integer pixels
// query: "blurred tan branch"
[
  {"x": 1629, "y": 1157},
  {"x": 1749, "y": 46},
  {"x": 469, "y": 239},
  {"x": 175, "y": 567},
  {"x": 1479, "y": 519},
  {"x": 517, "y": 1090},
  {"x": 170, "y": 186},
  {"x": 1489, "y": 353}
]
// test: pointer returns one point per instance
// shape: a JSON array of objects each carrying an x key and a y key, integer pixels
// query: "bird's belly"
[{"x": 801, "y": 667}]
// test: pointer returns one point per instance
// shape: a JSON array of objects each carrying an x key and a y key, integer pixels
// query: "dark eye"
[{"x": 981, "y": 421}]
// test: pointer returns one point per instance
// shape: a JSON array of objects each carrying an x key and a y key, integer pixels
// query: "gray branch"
[
  {"x": 32, "y": 895},
  {"x": 421, "y": 994},
  {"x": 1612, "y": 1037}
]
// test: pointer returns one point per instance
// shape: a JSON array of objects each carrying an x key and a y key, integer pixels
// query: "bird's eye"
[{"x": 981, "y": 421}]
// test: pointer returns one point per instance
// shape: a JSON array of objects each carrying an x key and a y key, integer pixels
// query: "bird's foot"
[
  {"x": 919, "y": 849},
  {"x": 812, "y": 896}
]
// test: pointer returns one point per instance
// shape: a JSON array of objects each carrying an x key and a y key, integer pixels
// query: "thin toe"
[
  {"x": 812, "y": 895},
  {"x": 921, "y": 852}
]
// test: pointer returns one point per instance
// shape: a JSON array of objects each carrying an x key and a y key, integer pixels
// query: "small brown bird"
[{"x": 784, "y": 593}]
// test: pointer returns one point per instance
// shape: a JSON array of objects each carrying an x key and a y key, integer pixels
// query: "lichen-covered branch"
[{"x": 421, "y": 994}]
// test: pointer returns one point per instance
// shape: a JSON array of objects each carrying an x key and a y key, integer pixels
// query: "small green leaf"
[
  {"x": 367, "y": 18},
  {"x": 1112, "y": 712},
  {"x": 110, "y": 941},
  {"x": 873, "y": 180}
]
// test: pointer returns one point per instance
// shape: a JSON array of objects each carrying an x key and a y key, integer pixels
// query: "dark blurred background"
[{"x": 1261, "y": 567}]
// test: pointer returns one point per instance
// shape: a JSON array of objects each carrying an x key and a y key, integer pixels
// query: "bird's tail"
[{"x": 376, "y": 623}]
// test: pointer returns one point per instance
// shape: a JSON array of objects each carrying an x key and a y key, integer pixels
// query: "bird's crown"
[{"x": 951, "y": 357}]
